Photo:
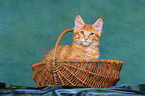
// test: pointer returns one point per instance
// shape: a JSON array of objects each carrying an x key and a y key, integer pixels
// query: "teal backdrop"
[{"x": 30, "y": 28}]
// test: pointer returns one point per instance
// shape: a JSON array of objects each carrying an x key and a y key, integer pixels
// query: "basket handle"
[{"x": 58, "y": 40}]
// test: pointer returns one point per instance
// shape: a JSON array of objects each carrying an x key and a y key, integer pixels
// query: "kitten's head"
[{"x": 86, "y": 34}]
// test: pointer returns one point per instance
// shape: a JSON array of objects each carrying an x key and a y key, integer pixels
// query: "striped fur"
[{"x": 85, "y": 42}]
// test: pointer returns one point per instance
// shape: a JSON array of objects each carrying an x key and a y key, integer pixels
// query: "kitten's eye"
[
  {"x": 82, "y": 32},
  {"x": 91, "y": 33}
]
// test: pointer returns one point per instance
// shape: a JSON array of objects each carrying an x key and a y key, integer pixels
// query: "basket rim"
[
  {"x": 90, "y": 60},
  {"x": 79, "y": 61}
]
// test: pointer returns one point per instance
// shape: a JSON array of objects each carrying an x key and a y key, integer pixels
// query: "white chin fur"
[{"x": 85, "y": 43}]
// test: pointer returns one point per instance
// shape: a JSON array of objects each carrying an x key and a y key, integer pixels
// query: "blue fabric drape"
[{"x": 57, "y": 90}]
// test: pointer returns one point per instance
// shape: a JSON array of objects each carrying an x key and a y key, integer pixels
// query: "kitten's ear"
[
  {"x": 79, "y": 22},
  {"x": 98, "y": 25}
]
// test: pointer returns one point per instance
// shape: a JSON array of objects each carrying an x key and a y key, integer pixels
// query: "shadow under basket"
[{"x": 98, "y": 73}]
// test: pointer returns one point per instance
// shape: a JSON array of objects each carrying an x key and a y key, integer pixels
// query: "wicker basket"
[{"x": 98, "y": 73}]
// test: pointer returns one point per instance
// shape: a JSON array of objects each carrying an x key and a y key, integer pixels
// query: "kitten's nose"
[{"x": 86, "y": 38}]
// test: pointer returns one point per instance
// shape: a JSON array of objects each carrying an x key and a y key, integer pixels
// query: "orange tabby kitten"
[{"x": 85, "y": 42}]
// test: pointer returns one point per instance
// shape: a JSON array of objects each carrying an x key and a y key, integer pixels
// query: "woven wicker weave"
[{"x": 98, "y": 73}]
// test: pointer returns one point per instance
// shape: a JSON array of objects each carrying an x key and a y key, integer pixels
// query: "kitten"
[{"x": 85, "y": 42}]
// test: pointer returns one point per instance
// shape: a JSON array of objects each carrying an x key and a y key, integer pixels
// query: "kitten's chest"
[
  {"x": 91, "y": 52},
  {"x": 86, "y": 53}
]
